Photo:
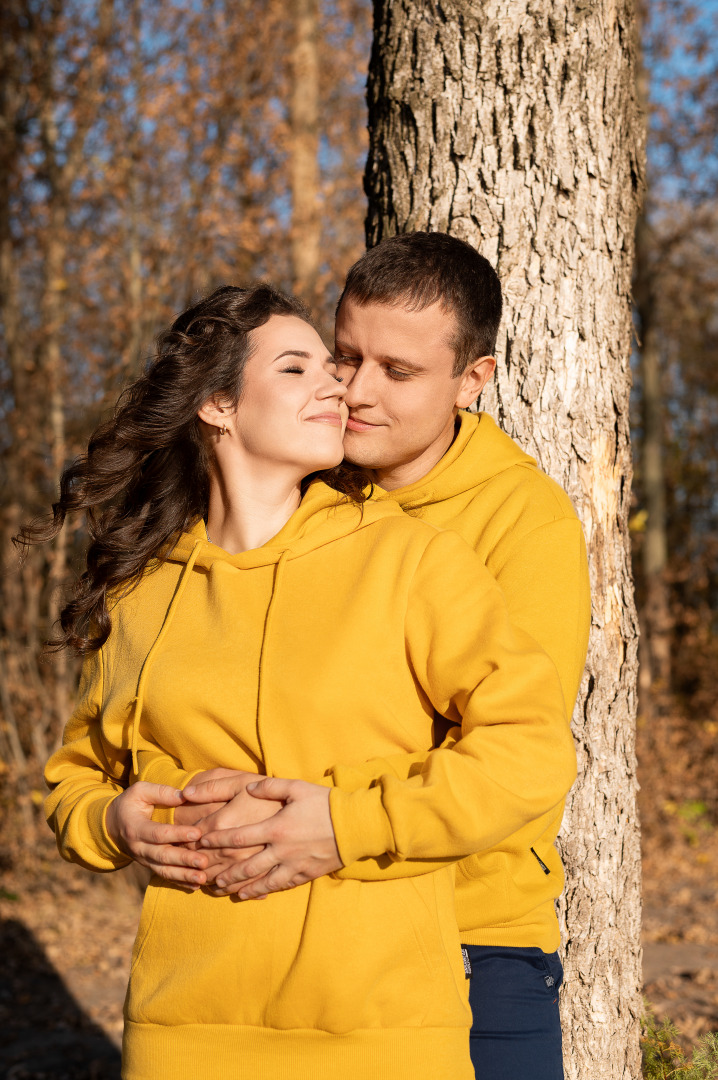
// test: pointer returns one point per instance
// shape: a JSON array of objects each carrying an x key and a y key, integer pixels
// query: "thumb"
[
  {"x": 272, "y": 787},
  {"x": 157, "y": 794}
]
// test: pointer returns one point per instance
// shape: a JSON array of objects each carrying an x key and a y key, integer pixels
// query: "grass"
[{"x": 665, "y": 1059}]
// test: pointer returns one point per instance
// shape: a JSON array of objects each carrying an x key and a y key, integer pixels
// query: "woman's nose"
[{"x": 332, "y": 387}]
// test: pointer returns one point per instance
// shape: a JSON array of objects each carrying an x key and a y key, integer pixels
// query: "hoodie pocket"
[
  {"x": 335, "y": 956},
  {"x": 376, "y": 955},
  {"x": 147, "y": 918}
]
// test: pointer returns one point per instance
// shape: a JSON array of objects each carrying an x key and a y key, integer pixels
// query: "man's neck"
[{"x": 410, "y": 472}]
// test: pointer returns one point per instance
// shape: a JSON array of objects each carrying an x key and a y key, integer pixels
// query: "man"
[
  {"x": 404, "y": 361},
  {"x": 415, "y": 335}
]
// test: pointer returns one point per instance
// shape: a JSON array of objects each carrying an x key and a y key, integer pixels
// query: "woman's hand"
[
  {"x": 218, "y": 800},
  {"x": 130, "y": 826},
  {"x": 297, "y": 844},
  {"x": 208, "y": 799},
  {"x": 240, "y": 811}
]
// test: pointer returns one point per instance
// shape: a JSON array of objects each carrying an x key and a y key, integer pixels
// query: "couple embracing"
[{"x": 334, "y": 628}]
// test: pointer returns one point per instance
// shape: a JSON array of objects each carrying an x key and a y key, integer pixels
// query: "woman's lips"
[
  {"x": 326, "y": 418},
  {"x": 354, "y": 424}
]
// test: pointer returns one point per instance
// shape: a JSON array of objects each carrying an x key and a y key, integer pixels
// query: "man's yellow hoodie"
[
  {"x": 336, "y": 641},
  {"x": 523, "y": 527}
]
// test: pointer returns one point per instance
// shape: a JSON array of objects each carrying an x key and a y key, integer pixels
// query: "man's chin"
[{"x": 357, "y": 455}]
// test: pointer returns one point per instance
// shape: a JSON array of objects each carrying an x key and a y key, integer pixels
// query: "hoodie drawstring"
[
  {"x": 281, "y": 563},
  {"x": 139, "y": 697}
]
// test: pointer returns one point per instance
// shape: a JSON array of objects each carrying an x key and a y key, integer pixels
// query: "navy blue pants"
[{"x": 516, "y": 1032}]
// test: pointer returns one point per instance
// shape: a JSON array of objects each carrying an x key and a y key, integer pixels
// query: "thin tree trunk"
[
  {"x": 656, "y": 620},
  {"x": 135, "y": 288},
  {"x": 62, "y": 165},
  {"x": 304, "y": 120},
  {"x": 513, "y": 124},
  {"x": 19, "y": 490}
]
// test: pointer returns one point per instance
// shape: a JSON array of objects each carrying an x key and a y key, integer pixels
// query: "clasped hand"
[{"x": 232, "y": 833}]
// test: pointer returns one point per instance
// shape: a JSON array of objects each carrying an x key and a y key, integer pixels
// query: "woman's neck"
[{"x": 245, "y": 513}]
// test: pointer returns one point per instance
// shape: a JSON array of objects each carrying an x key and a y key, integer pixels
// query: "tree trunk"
[
  {"x": 304, "y": 121},
  {"x": 656, "y": 620},
  {"x": 513, "y": 124},
  {"x": 62, "y": 165},
  {"x": 135, "y": 285}
]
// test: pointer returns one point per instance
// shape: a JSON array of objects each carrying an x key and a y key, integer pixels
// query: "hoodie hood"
[
  {"x": 322, "y": 516},
  {"x": 480, "y": 452}
]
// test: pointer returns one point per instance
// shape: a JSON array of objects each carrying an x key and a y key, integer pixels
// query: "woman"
[{"x": 229, "y": 612}]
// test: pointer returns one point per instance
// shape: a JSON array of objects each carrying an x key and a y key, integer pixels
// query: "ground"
[{"x": 66, "y": 935}]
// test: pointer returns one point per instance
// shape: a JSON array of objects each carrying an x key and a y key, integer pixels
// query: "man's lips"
[
  {"x": 327, "y": 418},
  {"x": 355, "y": 424}
]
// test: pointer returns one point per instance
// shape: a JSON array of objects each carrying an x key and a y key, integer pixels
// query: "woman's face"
[{"x": 291, "y": 411}]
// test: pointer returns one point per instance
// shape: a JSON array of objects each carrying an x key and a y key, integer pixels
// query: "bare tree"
[
  {"x": 304, "y": 126},
  {"x": 655, "y": 615},
  {"x": 514, "y": 124}
]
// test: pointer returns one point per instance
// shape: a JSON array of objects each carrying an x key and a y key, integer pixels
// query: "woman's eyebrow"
[
  {"x": 328, "y": 359},
  {"x": 294, "y": 352}
]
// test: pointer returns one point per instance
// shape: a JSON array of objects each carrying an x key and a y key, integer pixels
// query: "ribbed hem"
[
  {"x": 361, "y": 824},
  {"x": 186, "y": 1051},
  {"x": 534, "y": 935},
  {"x": 96, "y": 816}
]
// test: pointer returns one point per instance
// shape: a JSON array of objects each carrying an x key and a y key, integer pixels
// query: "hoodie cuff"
[
  {"x": 361, "y": 824},
  {"x": 102, "y": 842}
]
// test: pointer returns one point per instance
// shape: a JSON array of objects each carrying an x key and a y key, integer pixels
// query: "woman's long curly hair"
[{"x": 145, "y": 476}]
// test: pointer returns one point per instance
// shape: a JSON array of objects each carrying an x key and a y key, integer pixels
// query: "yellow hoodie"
[
  {"x": 336, "y": 640},
  {"x": 524, "y": 528}
]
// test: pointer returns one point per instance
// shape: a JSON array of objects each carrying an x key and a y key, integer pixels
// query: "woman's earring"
[{"x": 224, "y": 430}]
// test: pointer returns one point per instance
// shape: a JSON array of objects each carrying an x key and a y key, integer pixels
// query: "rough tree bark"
[
  {"x": 514, "y": 124},
  {"x": 304, "y": 124}
]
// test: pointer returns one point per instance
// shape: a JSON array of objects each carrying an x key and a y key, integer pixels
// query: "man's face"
[{"x": 402, "y": 395}]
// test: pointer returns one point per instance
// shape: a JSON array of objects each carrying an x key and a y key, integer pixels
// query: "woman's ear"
[{"x": 215, "y": 413}]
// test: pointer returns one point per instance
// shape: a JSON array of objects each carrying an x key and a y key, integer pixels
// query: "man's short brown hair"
[{"x": 421, "y": 268}]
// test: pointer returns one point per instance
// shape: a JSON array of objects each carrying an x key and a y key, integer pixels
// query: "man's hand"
[
  {"x": 130, "y": 826},
  {"x": 298, "y": 842}
]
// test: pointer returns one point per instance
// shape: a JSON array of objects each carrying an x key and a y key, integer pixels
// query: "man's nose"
[{"x": 361, "y": 388}]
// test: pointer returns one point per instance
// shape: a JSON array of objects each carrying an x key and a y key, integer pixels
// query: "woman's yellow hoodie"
[{"x": 336, "y": 641}]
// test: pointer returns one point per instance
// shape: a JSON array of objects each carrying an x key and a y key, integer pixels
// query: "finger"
[
  {"x": 248, "y": 869},
  {"x": 182, "y": 874},
  {"x": 220, "y": 790},
  {"x": 245, "y": 836},
  {"x": 276, "y": 881},
  {"x": 272, "y": 787},
  {"x": 175, "y": 834},
  {"x": 170, "y": 855},
  {"x": 232, "y": 890},
  {"x": 156, "y": 794},
  {"x": 154, "y": 832}
]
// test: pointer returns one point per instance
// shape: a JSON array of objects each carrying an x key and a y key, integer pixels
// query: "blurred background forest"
[{"x": 152, "y": 151}]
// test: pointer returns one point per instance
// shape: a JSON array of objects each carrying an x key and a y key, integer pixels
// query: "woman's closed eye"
[{"x": 293, "y": 370}]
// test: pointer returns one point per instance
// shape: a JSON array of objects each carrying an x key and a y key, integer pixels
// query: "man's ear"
[{"x": 473, "y": 381}]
